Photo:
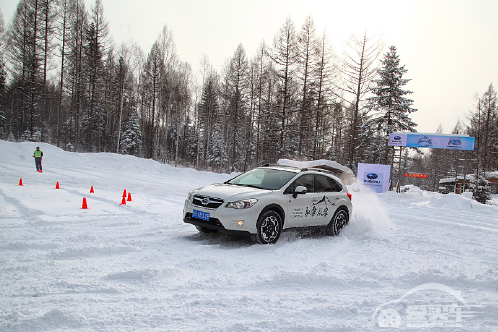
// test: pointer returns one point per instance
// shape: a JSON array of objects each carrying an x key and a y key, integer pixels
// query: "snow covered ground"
[{"x": 138, "y": 267}]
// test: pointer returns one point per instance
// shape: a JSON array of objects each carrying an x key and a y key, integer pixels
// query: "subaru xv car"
[{"x": 266, "y": 200}]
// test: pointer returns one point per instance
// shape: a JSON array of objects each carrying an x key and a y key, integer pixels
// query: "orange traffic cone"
[
  {"x": 57, "y": 185},
  {"x": 129, "y": 197},
  {"x": 124, "y": 193},
  {"x": 123, "y": 201},
  {"x": 84, "y": 206},
  {"x": 91, "y": 190},
  {"x": 20, "y": 182}
]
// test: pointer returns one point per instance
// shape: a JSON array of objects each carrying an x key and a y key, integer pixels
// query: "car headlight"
[
  {"x": 191, "y": 195},
  {"x": 242, "y": 204}
]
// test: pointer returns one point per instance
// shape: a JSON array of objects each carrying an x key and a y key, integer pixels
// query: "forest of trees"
[{"x": 64, "y": 82}]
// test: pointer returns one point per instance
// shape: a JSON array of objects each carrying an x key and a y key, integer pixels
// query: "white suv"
[{"x": 268, "y": 199}]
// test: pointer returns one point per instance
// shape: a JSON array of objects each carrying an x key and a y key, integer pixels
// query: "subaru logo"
[
  {"x": 397, "y": 138},
  {"x": 205, "y": 201},
  {"x": 372, "y": 176}
]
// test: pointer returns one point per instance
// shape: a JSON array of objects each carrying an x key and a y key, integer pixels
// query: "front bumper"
[
  {"x": 212, "y": 223},
  {"x": 224, "y": 219}
]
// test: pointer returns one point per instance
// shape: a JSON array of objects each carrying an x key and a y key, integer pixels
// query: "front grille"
[{"x": 207, "y": 202}]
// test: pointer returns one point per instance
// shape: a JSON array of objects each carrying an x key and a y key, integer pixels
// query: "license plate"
[{"x": 200, "y": 215}]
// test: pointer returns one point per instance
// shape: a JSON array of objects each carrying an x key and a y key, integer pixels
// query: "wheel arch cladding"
[
  {"x": 345, "y": 208},
  {"x": 277, "y": 208}
]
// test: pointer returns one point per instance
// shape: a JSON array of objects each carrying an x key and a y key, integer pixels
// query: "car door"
[
  {"x": 329, "y": 193},
  {"x": 301, "y": 210}
]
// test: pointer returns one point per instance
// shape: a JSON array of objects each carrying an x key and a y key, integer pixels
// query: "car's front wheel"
[
  {"x": 269, "y": 227},
  {"x": 339, "y": 220}
]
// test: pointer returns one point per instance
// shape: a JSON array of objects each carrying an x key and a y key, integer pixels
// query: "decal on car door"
[
  {"x": 319, "y": 208},
  {"x": 297, "y": 213}
]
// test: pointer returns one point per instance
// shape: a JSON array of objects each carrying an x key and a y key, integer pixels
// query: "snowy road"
[{"x": 138, "y": 267}]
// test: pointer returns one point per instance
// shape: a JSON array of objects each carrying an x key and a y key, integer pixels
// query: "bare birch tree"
[{"x": 359, "y": 68}]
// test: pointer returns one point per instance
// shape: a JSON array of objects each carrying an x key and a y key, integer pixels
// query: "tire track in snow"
[
  {"x": 434, "y": 215},
  {"x": 23, "y": 210}
]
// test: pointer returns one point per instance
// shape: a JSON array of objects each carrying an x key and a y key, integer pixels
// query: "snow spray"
[{"x": 369, "y": 213}]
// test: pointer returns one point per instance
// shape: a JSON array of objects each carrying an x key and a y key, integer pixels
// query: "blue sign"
[{"x": 416, "y": 140}]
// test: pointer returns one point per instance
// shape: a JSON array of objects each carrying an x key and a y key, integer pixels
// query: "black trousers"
[{"x": 38, "y": 164}]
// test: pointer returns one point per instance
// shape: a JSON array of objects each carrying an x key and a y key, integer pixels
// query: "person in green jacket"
[{"x": 38, "y": 159}]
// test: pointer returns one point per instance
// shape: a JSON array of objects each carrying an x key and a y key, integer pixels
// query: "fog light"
[{"x": 240, "y": 222}]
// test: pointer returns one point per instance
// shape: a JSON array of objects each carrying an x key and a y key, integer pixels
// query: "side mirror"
[{"x": 299, "y": 191}]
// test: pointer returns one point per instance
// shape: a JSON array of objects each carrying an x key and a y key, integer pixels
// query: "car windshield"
[{"x": 263, "y": 178}]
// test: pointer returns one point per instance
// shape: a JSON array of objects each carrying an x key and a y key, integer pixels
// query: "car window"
[
  {"x": 307, "y": 180},
  {"x": 264, "y": 178},
  {"x": 325, "y": 184}
]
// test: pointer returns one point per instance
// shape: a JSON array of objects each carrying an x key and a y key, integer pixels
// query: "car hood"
[{"x": 230, "y": 192}]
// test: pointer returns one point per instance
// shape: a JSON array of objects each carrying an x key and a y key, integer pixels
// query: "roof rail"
[{"x": 278, "y": 165}]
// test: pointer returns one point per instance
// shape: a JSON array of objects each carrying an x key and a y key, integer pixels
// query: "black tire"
[
  {"x": 269, "y": 227},
  {"x": 339, "y": 220},
  {"x": 206, "y": 230}
]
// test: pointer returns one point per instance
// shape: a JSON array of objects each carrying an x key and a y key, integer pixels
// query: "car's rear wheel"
[
  {"x": 339, "y": 220},
  {"x": 269, "y": 227},
  {"x": 206, "y": 230}
]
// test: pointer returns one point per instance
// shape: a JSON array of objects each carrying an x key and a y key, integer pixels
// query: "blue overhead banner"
[{"x": 417, "y": 140}]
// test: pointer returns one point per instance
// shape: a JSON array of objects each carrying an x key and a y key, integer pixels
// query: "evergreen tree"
[
  {"x": 217, "y": 154},
  {"x": 123, "y": 95},
  {"x": 208, "y": 114},
  {"x": 23, "y": 56},
  {"x": 97, "y": 47},
  {"x": 189, "y": 144},
  {"x": 150, "y": 95},
  {"x": 48, "y": 16},
  {"x": 131, "y": 140},
  {"x": 481, "y": 190},
  {"x": 62, "y": 33},
  {"x": 76, "y": 76},
  {"x": 392, "y": 109},
  {"x": 236, "y": 86}
]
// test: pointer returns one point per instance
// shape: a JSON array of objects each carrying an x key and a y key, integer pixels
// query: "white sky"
[{"x": 449, "y": 47}]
